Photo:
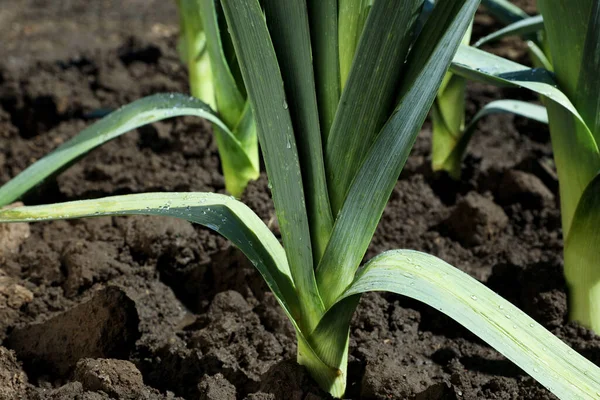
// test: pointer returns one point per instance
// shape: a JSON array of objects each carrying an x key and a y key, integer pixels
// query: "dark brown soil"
[{"x": 156, "y": 308}]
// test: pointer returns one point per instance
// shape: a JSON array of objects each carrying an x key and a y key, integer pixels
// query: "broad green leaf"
[
  {"x": 140, "y": 112},
  {"x": 522, "y": 27},
  {"x": 588, "y": 85},
  {"x": 575, "y": 150},
  {"x": 372, "y": 186},
  {"x": 288, "y": 24},
  {"x": 452, "y": 162},
  {"x": 352, "y": 15},
  {"x": 507, "y": 329},
  {"x": 567, "y": 27},
  {"x": 221, "y": 213},
  {"x": 324, "y": 37},
  {"x": 504, "y": 11},
  {"x": 264, "y": 84},
  {"x": 582, "y": 259},
  {"x": 193, "y": 50},
  {"x": 370, "y": 92},
  {"x": 229, "y": 100}
]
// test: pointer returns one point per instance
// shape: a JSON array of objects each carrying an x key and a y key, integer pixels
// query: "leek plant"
[
  {"x": 572, "y": 96},
  {"x": 205, "y": 47},
  {"x": 333, "y": 149},
  {"x": 450, "y": 136}
]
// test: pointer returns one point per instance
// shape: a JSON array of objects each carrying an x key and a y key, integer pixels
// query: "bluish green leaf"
[
  {"x": 288, "y": 24},
  {"x": 370, "y": 92},
  {"x": 264, "y": 84},
  {"x": 427, "y": 63}
]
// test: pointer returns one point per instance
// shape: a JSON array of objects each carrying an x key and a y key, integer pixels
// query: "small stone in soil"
[
  {"x": 118, "y": 378},
  {"x": 475, "y": 220},
  {"x": 106, "y": 326},
  {"x": 216, "y": 388}
]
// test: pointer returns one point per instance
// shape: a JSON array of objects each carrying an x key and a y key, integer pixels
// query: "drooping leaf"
[
  {"x": 528, "y": 110},
  {"x": 140, "y": 112},
  {"x": 575, "y": 149},
  {"x": 223, "y": 214},
  {"x": 370, "y": 92},
  {"x": 288, "y": 24},
  {"x": 502, "y": 325},
  {"x": 522, "y": 27},
  {"x": 264, "y": 84},
  {"x": 372, "y": 186}
]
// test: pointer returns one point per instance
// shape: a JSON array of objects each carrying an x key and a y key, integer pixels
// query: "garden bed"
[{"x": 150, "y": 307}]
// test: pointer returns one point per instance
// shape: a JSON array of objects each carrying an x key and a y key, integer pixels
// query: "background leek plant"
[
  {"x": 333, "y": 149},
  {"x": 206, "y": 49},
  {"x": 450, "y": 136},
  {"x": 572, "y": 95}
]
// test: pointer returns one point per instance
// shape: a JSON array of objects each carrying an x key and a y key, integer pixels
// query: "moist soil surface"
[{"x": 158, "y": 308}]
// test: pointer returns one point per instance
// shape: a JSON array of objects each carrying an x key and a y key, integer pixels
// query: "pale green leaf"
[
  {"x": 522, "y": 27},
  {"x": 502, "y": 325},
  {"x": 193, "y": 51}
]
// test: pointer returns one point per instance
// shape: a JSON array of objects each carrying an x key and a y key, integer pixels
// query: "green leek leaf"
[
  {"x": 352, "y": 16},
  {"x": 288, "y": 24},
  {"x": 140, "y": 112},
  {"x": 264, "y": 84},
  {"x": 504, "y": 11},
  {"x": 370, "y": 92},
  {"x": 528, "y": 110},
  {"x": 520, "y": 338},
  {"x": 582, "y": 258},
  {"x": 377, "y": 176},
  {"x": 223, "y": 214},
  {"x": 522, "y": 27},
  {"x": 324, "y": 38},
  {"x": 229, "y": 100},
  {"x": 575, "y": 149}
]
